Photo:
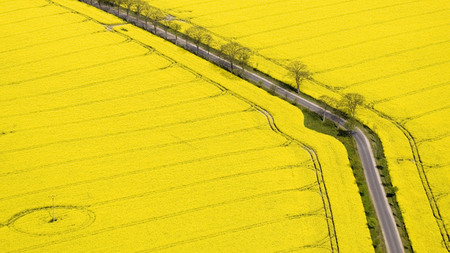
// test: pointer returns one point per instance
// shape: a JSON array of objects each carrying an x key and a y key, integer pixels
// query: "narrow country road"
[{"x": 377, "y": 193}]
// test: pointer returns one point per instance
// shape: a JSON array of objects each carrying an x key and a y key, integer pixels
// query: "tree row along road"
[{"x": 377, "y": 193}]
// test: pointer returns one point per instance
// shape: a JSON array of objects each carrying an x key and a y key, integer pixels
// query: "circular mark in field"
[{"x": 39, "y": 221}]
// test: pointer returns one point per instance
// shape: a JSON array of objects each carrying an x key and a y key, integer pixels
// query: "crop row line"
[
  {"x": 435, "y": 138},
  {"x": 281, "y": 14},
  {"x": 42, "y": 29},
  {"x": 386, "y": 21},
  {"x": 318, "y": 244},
  {"x": 59, "y": 39},
  {"x": 91, "y": 102},
  {"x": 327, "y": 18},
  {"x": 391, "y": 54},
  {"x": 74, "y": 11},
  {"x": 33, "y": 18},
  {"x": 240, "y": 8},
  {"x": 24, "y": 8},
  {"x": 420, "y": 115},
  {"x": 125, "y": 174},
  {"x": 396, "y": 74},
  {"x": 431, "y": 167},
  {"x": 73, "y": 70},
  {"x": 190, "y": 3},
  {"x": 134, "y": 94},
  {"x": 144, "y": 129},
  {"x": 89, "y": 85},
  {"x": 216, "y": 234},
  {"x": 125, "y": 113},
  {"x": 164, "y": 246},
  {"x": 66, "y": 53},
  {"x": 134, "y": 172},
  {"x": 202, "y": 182},
  {"x": 428, "y": 88}
]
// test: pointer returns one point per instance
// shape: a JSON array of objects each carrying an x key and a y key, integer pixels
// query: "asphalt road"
[{"x": 377, "y": 193}]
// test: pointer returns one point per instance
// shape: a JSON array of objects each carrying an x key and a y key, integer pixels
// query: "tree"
[
  {"x": 154, "y": 15},
  {"x": 118, "y": 3},
  {"x": 127, "y": 4},
  {"x": 350, "y": 102},
  {"x": 134, "y": 5},
  {"x": 141, "y": 7},
  {"x": 176, "y": 28},
  {"x": 230, "y": 50},
  {"x": 207, "y": 40},
  {"x": 330, "y": 101},
  {"x": 236, "y": 53},
  {"x": 145, "y": 11},
  {"x": 166, "y": 23},
  {"x": 243, "y": 56},
  {"x": 299, "y": 72},
  {"x": 197, "y": 34},
  {"x": 104, "y": 3}
]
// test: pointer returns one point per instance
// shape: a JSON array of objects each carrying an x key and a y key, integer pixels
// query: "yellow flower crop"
[{"x": 145, "y": 147}]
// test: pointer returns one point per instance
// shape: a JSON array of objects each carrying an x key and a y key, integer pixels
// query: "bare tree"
[
  {"x": 350, "y": 102},
  {"x": 197, "y": 34},
  {"x": 299, "y": 72}
]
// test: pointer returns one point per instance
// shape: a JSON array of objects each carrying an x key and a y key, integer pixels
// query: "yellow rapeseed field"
[
  {"x": 113, "y": 140},
  {"x": 396, "y": 54}
]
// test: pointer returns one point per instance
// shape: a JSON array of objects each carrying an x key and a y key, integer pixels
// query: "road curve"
[{"x": 377, "y": 193}]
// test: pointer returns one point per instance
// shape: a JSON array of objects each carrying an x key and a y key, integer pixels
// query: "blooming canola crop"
[{"x": 115, "y": 140}]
